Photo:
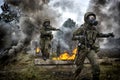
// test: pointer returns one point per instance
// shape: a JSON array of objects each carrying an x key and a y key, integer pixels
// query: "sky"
[{"x": 1, "y": 2}]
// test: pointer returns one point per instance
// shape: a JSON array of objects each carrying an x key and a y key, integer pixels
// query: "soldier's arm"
[
  {"x": 52, "y": 28},
  {"x": 78, "y": 34},
  {"x": 101, "y": 35}
]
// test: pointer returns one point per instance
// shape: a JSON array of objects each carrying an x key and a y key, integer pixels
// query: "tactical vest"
[
  {"x": 90, "y": 34},
  {"x": 47, "y": 35}
]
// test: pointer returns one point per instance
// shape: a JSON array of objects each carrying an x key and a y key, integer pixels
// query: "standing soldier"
[
  {"x": 45, "y": 38},
  {"x": 87, "y": 47}
]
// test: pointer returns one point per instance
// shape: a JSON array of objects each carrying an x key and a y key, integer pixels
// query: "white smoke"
[
  {"x": 74, "y": 9},
  {"x": 108, "y": 13}
]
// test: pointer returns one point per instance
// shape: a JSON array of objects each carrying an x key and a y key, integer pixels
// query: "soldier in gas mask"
[{"x": 86, "y": 36}]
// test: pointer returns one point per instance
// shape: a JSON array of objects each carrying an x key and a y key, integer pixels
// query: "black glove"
[{"x": 111, "y": 35}]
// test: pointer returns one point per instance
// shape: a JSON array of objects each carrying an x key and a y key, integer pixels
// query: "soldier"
[
  {"x": 45, "y": 38},
  {"x": 87, "y": 47}
]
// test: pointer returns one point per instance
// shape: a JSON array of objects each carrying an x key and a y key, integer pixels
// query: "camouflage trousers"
[
  {"x": 79, "y": 61},
  {"x": 45, "y": 48}
]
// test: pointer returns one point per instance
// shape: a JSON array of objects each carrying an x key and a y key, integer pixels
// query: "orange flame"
[
  {"x": 66, "y": 56},
  {"x": 37, "y": 50}
]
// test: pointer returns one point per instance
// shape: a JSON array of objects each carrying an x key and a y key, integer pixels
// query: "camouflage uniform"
[
  {"x": 45, "y": 38},
  {"x": 87, "y": 47}
]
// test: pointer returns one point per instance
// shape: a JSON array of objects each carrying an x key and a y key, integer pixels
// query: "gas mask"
[
  {"x": 92, "y": 20},
  {"x": 46, "y": 24}
]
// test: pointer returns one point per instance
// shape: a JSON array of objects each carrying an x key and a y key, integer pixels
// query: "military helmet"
[
  {"x": 46, "y": 21},
  {"x": 87, "y": 15}
]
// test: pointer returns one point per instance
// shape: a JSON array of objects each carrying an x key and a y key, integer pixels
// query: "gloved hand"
[{"x": 111, "y": 35}]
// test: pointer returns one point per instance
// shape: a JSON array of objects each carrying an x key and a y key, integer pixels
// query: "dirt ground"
[{"x": 25, "y": 69}]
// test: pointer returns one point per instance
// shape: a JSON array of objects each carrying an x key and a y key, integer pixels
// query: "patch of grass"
[{"x": 24, "y": 69}]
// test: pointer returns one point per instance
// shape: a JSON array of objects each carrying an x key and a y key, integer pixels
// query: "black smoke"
[
  {"x": 33, "y": 13},
  {"x": 5, "y": 36}
]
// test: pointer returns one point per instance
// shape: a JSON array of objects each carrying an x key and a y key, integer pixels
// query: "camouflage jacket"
[
  {"x": 87, "y": 35},
  {"x": 46, "y": 33}
]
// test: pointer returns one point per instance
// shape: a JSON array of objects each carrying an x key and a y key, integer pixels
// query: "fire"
[
  {"x": 37, "y": 50},
  {"x": 66, "y": 56}
]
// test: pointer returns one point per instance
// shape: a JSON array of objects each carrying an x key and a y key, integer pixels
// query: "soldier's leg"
[
  {"x": 80, "y": 58},
  {"x": 42, "y": 46},
  {"x": 47, "y": 49},
  {"x": 95, "y": 66}
]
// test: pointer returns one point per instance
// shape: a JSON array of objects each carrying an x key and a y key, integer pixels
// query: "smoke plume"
[
  {"x": 32, "y": 16},
  {"x": 107, "y": 12}
]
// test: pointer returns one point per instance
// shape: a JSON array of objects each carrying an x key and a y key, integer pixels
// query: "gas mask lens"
[{"x": 92, "y": 20}]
